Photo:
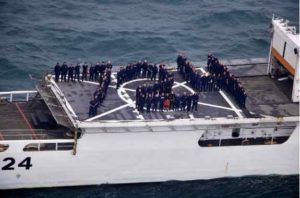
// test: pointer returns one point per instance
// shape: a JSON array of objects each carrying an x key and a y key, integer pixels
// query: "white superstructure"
[{"x": 284, "y": 53}]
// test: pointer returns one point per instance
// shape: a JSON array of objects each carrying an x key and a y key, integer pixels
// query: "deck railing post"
[
  {"x": 75, "y": 140},
  {"x": 27, "y": 96},
  {"x": 11, "y": 97}
]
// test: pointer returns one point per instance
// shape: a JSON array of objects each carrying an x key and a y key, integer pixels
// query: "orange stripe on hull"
[{"x": 283, "y": 61}]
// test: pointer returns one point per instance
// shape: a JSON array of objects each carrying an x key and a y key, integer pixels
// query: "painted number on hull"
[{"x": 11, "y": 161}]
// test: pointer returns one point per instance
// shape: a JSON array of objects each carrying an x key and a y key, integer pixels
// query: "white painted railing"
[{"x": 10, "y": 95}]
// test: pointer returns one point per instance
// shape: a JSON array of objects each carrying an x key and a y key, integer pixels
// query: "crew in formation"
[
  {"x": 156, "y": 96},
  {"x": 218, "y": 77},
  {"x": 99, "y": 73}
]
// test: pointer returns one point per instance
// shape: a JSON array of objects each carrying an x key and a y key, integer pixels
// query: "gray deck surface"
[
  {"x": 79, "y": 94},
  {"x": 28, "y": 120},
  {"x": 266, "y": 96}
]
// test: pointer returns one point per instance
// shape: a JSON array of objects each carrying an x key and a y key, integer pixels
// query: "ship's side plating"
[{"x": 167, "y": 152}]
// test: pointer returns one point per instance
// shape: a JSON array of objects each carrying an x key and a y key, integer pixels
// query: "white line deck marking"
[
  {"x": 231, "y": 104},
  {"x": 95, "y": 83},
  {"x": 122, "y": 92},
  {"x": 127, "y": 89},
  {"x": 188, "y": 88},
  {"x": 90, "y": 82},
  {"x": 217, "y": 106},
  {"x": 191, "y": 116},
  {"x": 178, "y": 84},
  {"x": 114, "y": 79},
  {"x": 126, "y": 98},
  {"x": 283, "y": 78},
  {"x": 107, "y": 112},
  {"x": 203, "y": 70}
]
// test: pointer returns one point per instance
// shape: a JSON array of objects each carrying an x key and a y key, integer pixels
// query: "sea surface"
[{"x": 35, "y": 34}]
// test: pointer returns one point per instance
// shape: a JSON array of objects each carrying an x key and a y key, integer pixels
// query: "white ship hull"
[{"x": 146, "y": 157}]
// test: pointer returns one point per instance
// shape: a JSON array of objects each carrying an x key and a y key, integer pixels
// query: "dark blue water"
[
  {"x": 252, "y": 187},
  {"x": 36, "y": 34}
]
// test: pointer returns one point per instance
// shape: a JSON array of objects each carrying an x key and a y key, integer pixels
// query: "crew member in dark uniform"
[
  {"x": 155, "y": 101},
  {"x": 195, "y": 99},
  {"x": 96, "y": 72},
  {"x": 154, "y": 72},
  {"x": 57, "y": 71},
  {"x": 161, "y": 102},
  {"x": 142, "y": 99},
  {"x": 91, "y": 77},
  {"x": 183, "y": 101},
  {"x": 145, "y": 67},
  {"x": 84, "y": 72},
  {"x": 172, "y": 101},
  {"x": 148, "y": 102},
  {"x": 138, "y": 93},
  {"x": 71, "y": 73},
  {"x": 77, "y": 72},
  {"x": 93, "y": 108},
  {"x": 64, "y": 71},
  {"x": 189, "y": 102},
  {"x": 109, "y": 65},
  {"x": 149, "y": 71}
]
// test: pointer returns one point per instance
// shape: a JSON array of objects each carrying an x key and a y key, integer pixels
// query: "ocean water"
[{"x": 36, "y": 34}]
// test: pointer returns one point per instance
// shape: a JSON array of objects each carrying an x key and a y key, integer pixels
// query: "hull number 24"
[{"x": 9, "y": 163}]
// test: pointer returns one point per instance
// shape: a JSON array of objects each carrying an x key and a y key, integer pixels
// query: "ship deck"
[
  {"x": 266, "y": 96},
  {"x": 28, "y": 120},
  {"x": 34, "y": 119}
]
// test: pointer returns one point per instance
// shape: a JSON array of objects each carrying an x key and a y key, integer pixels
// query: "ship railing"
[
  {"x": 26, "y": 134},
  {"x": 12, "y": 96}
]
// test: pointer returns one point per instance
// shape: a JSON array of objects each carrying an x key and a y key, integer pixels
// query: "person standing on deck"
[
  {"x": 149, "y": 71},
  {"x": 195, "y": 99},
  {"x": 93, "y": 107},
  {"x": 142, "y": 100},
  {"x": 189, "y": 102},
  {"x": 177, "y": 102},
  {"x": 91, "y": 71},
  {"x": 71, "y": 73},
  {"x": 183, "y": 101},
  {"x": 161, "y": 102},
  {"x": 84, "y": 72},
  {"x": 96, "y": 72},
  {"x": 145, "y": 67},
  {"x": 57, "y": 71},
  {"x": 154, "y": 72},
  {"x": 77, "y": 72},
  {"x": 148, "y": 102},
  {"x": 172, "y": 100},
  {"x": 64, "y": 71},
  {"x": 138, "y": 93},
  {"x": 109, "y": 65},
  {"x": 155, "y": 101}
]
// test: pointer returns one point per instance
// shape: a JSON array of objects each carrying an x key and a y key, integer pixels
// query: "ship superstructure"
[{"x": 48, "y": 139}]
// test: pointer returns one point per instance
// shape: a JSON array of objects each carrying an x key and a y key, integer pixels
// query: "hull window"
[
  {"x": 65, "y": 146},
  {"x": 49, "y": 146},
  {"x": 242, "y": 141}
]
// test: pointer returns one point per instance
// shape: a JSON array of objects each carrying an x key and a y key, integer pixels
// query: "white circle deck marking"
[{"x": 122, "y": 93}]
